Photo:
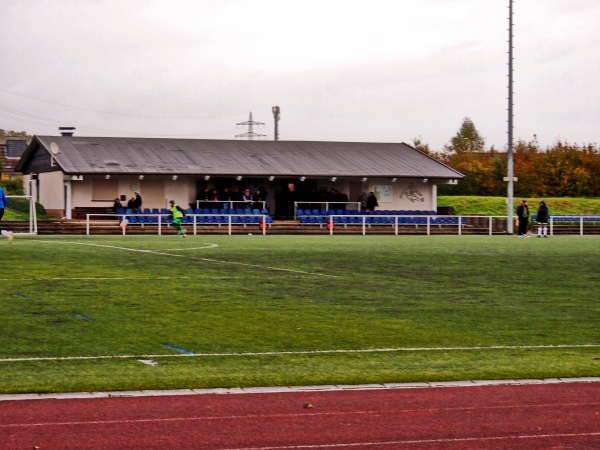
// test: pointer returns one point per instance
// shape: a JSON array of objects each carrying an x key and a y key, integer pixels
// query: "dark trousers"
[{"x": 523, "y": 222}]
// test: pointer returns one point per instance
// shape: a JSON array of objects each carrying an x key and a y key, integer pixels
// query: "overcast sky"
[{"x": 340, "y": 70}]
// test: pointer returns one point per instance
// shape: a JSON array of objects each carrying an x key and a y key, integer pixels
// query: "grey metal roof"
[{"x": 88, "y": 155}]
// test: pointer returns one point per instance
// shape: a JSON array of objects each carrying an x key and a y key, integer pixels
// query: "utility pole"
[
  {"x": 276, "y": 112},
  {"x": 250, "y": 134},
  {"x": 510, "y": 175}
]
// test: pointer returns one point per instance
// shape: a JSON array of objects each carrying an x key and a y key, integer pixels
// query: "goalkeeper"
[{"x": 177, "y": 214}]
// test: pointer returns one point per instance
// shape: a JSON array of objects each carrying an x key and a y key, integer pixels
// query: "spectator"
[
  {"x": 131, "y": 205},
  {"x": 225, "y": 196},
  {"x": 259, "y": 197},
  {"x": 523, "y": 215},
  {"x": 247, "y": 197},
  {"x": 117, "y": 204},
  {"x": 372, "y": 202},
  {"x": 137, "y": 201},
  {"x": 543, "y": 216},
  {"x": 205, "y": 197},
  {"x": 343, "y": 199},
  {"x": 363, "y": 200}
]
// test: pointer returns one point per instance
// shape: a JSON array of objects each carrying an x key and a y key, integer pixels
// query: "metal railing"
[
  {"x": 324, "y": 205},
  {"x": 225, "y": 219},
  {"x": 493, "y": 224}
]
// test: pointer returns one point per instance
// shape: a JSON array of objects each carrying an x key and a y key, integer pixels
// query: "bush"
[{"x": 14, "y": 186}]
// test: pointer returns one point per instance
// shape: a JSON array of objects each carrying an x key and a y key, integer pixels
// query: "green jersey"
[{"x": 176, "y": 212}]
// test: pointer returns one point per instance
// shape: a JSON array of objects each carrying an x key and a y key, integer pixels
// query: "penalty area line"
[
  {"x": 306, "y": 352},
  {"x": 220, "y": 261}
]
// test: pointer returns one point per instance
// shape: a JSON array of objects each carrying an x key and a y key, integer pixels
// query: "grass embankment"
[
  {"x": 294, "y": 310},
  {"x": 497, "y": 206},
  {"x": 18, "y": 209}
]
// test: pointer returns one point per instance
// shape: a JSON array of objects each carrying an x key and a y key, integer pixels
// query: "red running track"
[{"x": 543, "y": 416}]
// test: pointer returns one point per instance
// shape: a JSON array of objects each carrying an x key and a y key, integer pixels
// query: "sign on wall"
[{"x": 383, "y": 192}]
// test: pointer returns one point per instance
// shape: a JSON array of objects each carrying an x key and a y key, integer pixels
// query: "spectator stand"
[
  {"x": 195, "y": 218},
  {"x": 317, "y": 208},
  {"x": 394, "y": 219}
]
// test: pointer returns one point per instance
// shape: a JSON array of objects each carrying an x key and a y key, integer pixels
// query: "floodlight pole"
[
  {"x": 510, "y": 174},
  {"x": 276, "y": 112}
]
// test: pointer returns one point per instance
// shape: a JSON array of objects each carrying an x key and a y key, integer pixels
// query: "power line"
[{"x": 115, "y": 113}]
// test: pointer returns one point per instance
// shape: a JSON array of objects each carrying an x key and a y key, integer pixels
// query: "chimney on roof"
[{"x": 66, "y": 131}]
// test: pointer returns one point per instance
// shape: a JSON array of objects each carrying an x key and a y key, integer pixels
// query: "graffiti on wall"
[{"x": 413, "y": 194}]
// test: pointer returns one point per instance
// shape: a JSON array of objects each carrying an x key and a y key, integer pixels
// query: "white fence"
[
  {"x": 365, "y": 222},
  {"x": 263, "y": 221}
]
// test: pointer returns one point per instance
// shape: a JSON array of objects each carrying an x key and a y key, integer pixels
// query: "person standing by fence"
[
  {"x": 3, "y": 202},
  {"x": 542, "y": 219},
  {"x": 523, "y": 215}
]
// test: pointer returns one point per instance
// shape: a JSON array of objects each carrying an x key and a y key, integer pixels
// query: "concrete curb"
[{"x": 280, "y": 389}]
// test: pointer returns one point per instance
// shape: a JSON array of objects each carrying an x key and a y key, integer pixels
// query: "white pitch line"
[
  {"x": 308, "y": 352},
  {"x": 191, "y": 248},
  {"x": 97, "y": 278},
  {"x": 220, "y": 261}
]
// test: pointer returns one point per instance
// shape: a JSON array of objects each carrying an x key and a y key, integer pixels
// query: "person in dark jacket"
[
  {"x": 372, "y": 202},
  {"x": 523, "y": 215},
  {"x": 543, "y": 217},
  {"x": 117, "y": 204},
  {"x": 137, "y": 201}
]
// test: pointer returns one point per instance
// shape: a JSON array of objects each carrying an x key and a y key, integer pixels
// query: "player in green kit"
[{"x": 177, "y": 214}]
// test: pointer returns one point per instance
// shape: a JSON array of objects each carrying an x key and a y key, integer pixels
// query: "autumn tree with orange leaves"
[{"x": 562, "y": 170}]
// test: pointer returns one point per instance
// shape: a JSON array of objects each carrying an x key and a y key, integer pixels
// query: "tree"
[
  {"x": 421, "y": 146},
  {"x": 467, "y": 139},
  {"x": 13, "y": 134}
]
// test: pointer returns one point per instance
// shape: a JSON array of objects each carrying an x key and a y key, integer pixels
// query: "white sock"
[
  {"x": 6, "y": 233},
  {"x": 545, "y": 231}
]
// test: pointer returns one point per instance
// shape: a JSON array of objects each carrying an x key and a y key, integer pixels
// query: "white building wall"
[{"x": 416, "y": 194}]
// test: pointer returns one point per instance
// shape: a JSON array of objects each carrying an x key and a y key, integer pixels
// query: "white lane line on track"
[
  {"x": 220, "y": 261},
  {"x": 308, "y": 352},
  {"x": 398, "y": 412},
  {"x": 424, "y": 441}
]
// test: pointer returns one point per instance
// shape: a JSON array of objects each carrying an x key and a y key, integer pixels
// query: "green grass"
[
  {"x": 496, "y": 206},
  {"x": 274, "y": 310}
]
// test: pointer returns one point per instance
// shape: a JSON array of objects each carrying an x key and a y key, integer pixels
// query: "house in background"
[
  {"x": 10, "y": 154},
  {"x": 67, "y": 172}
]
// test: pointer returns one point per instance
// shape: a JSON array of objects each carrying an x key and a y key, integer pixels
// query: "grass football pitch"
[{"x": 106, "y": 313}]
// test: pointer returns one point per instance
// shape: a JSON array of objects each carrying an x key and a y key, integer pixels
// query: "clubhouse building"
[{"x": 68, "y": 172}]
